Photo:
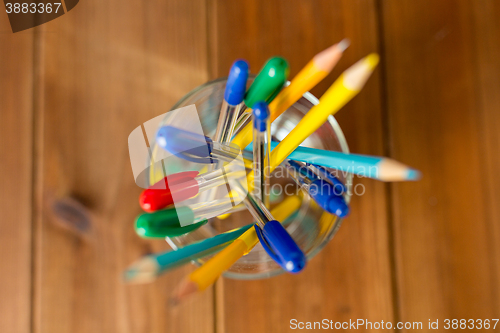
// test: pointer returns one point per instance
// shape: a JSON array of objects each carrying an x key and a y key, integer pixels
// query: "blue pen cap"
[
  {"x": 236, "y": 82},
  {"x": 323, "y": 193},
  {"x": 260, "y": 116},
  {"x": 281, "y": 247},
  {"x": 185, "y": 144}
]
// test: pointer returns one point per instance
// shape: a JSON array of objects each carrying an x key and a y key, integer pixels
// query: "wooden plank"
[
  {"x": 441, "y": 61},
  {"x": 351, "y": 277},
  {"x": 107, "y": 67},
  {"x": 16, "y": 117},
  {"x": 487, "y": 38}
]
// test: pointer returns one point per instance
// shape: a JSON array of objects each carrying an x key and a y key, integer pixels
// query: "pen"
[
  {"x": 207, "y": 274},
  {"x": 184, "y": 185},
  {"x": 381, "y": 168},
  {"x": 195, "y": 147},
  {"x": 324, "y": 173},
  {"x": 315, "y": 71},
  {"x": 199, "y": 148},
  {"x": 274, "y": 238},
  {"x": 266, "y": 85},
  {"x": 233, "y": 101},
  {"x": 148, "y": 268},
  {"x": 261, "y": 149},
  {"x": 230, "y": 110},
  {"x": 176, "y": 221},
  {"x": 320, "y": 190}
]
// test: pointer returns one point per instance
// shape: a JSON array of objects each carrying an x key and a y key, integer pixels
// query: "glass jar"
[{"x": 310, "y": 226}]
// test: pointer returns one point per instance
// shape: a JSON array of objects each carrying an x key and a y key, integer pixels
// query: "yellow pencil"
[
  {"x": 348, "y": 85},
  {"x": 342, "y": 91},
  {"x": 207, "y": 274},
  {"x": 305, "y": 80}
]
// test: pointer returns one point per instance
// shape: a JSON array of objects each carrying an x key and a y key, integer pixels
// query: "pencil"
[
  {"x": 315, "y": 71},
  {"x": 342, "y": 91},
  {"x": 348, "y": 85},
  {"x": 148, "y": 268},
  {"x": 376, "y": 167},
  {"x": 207, "y": 274}
]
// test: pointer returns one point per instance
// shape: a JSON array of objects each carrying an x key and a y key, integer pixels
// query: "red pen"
[{"x": 182, "y": 186}]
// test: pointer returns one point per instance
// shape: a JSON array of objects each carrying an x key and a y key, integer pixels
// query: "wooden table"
[{"x": 74, "y": 88}]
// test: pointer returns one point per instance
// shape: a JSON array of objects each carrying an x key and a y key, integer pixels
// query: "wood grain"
[
  {"x": 16, "y": 125},
  {"x": 73, "y": 89},
  {"x": 107, "y": 67},
  {"x": 487, "y": 37},
  {"x": 441, "y": 61},
  {"x": 351, "y": 277}
]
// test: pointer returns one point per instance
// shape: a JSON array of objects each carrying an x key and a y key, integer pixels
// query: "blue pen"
[
  {"x": 274, "y": 238},
  {"x": 381, "y": 168},
  {"x": 194, "y": 147},
  {"x": 325, "y": 194},
  {"x": 325, "y": 174},
  {"x": 231, "y": 107},
  {"x": 233, "y": 101},
  {"x": 261, "y": 149}
]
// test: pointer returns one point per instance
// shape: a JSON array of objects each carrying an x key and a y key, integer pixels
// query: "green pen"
[
  {"x": 176, "y": 221},
  {"x": 265, "y": 87},
  {"x": 268, "y": 83}
]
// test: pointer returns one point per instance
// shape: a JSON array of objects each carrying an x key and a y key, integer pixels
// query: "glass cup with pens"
[
  {"x": 263, "y": 198},
  {"x": 309, "y": 225}
]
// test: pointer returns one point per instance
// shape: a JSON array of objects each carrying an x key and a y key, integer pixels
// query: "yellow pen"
[
  {"x": 207, "y": 274},
  {"x": 315, "y": 71}
]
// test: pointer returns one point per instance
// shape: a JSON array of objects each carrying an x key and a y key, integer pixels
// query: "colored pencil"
[
  {"x": 148, "y": 268},
  {"x": 376, "y": 167},
  {"x": 315, "y": 71},
  {"x": 207, "y": 274}
]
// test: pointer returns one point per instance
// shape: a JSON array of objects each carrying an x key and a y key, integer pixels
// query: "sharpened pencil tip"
[
  {"x": 372, "y": 60},
  {"x": 173, "y": 301},
  {"x": 328, "y": 58},
  {"x": 185, "y": 288},
  {"x": 129, "y": 275},
  {"x": 144, "y": 270},
  {"x": 344, "y": 44},
  {"x": 413, "y": 174}
]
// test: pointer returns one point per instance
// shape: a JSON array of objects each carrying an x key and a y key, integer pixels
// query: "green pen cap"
[
  {"x": 268, "y": 82},
  {"x": 165, "y": 223}
]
